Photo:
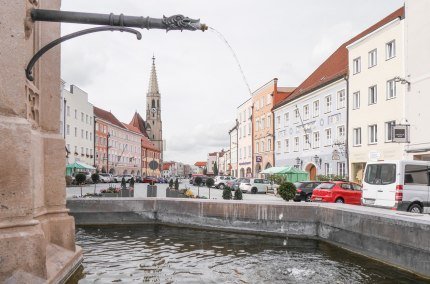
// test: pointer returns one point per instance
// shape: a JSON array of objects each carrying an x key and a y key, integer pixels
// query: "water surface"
[{"x": 162, "y": 254}]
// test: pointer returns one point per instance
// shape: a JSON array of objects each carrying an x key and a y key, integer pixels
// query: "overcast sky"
[{"x": 200, "y": 82}]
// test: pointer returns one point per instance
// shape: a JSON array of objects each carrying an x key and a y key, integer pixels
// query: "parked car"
[
  {"x": 162, "y": 180},
  {"x": 138, "y": 179},
  {"x": 337, "y": 192},
  {"x": 105, "y": 177},
  {"x": 400, "y": 185},
  {"x": 221, "y": 181},
  {"x": 304, "y": 190},
  {"x": 254, "y": 185},
  {"x": 272, "y": 187},
  {"x": 149, "y": 179},
  {"x": 231, "y": 183},
  {"x": 193, "y": 179}
]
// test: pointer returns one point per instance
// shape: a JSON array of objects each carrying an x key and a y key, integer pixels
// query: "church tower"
[{"x": 153, "y": 111}]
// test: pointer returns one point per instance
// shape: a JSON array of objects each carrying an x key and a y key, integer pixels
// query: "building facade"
[
  {"x": 151, "y": 158},
  {"x": 233, "y": 166},
  {"x": 262, "y": 120},
  {"x": 124, "y": 145},
  {"x": 79, "y": 126},
  {"x": 376, "y": 58},
  {"x": 310, "y": 129},
  {"x": 417, "y": 42},
  {"x": 211, "y": 160},
  {"x": 244, "y": 118}
]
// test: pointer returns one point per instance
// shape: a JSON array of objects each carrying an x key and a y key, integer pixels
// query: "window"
[
  {"x": 279, "y": 146},
  {"x": 257, "y": 124},
  {"x": 249, "y": 129},
  {"x": 262, "y": 147},
  {"x": 380, "y": 174},
  {"x": 356, "y": 65},
  {"x": 87, "y": 119},
  {"x": 263, "y": 123},
  {"x": 287, "y": 118},
  {"x": 296, "y": 144},
  {"x": 306, "y": 142},
  {"x": 328, "y": 137},
  {"x": 86, "y": 135},
  {"x": 269, "y": 145},
  {"x": 82, "y": 150},
  {"x": 68, "y": 129},
  {"x": 296, "y": 115},
  {"x": 76, "y": 114},
  {"x": 356, "y": 100},
  {"x": 82, "y": 116},
  {"x": 68, "y": 110},
  {"x": 389, "y": 130},
  {"x": 341, "y": 169},
  {"x": 257, "y": 147},
  {"x": 287, "y": 145},
  {"x": 316, "y": 139},
  {"x": 391, "y": 89},
  {"x": 76, "y": 132},
  {"x": 249, "y": 151},
  {"x": 390, "y": 49},
  {"x": 278, "y": 121},
  {"x": 306, "y": 112},
  {"x": 373, "y": 95},
  {"x": 416, "y": 174},
  {"x": 356, "y": 136},
  {"x": 269, "y": 121},
  {"x": 316, "y": 108},
  {"x": 373, "y": 58},
  {"x": 341, "y": 132},
  {"x": 82, "y": 133},
  {"x": 373, "y": 134},
  {"x": 326, "y": 169},
  {"x": 341, "y": 99},
  {"x": 328, "y": 104}
]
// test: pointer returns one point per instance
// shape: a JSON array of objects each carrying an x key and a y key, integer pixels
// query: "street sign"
[
  {"x": 153, "y": 165},
  {"x": 258, "y": 159},
  {"x": 400, "y": 133}
]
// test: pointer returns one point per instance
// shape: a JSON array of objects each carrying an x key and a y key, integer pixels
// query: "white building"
[
  {"x": 376, "y": 99},
  {"x": 79, "y": 126},
  {"x": 417, "y": 44},
  {"x": 233, "y": 157},
  {"x": 212, "y": 158},
  {"x": 310, "y": 124},
  {"x": 244, "y": 116}
]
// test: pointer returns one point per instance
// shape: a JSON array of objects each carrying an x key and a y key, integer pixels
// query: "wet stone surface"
[{"x": 162, "y": 254}]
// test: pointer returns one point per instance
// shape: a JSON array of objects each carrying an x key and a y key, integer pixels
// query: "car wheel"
[
  {"x": 308, "y": 198},
  {"x": 415, "y": 208},
  {"x": 254, "y": 190},
  {"x": 339, "y": 200},
  {"x": 221, "y": 186}
]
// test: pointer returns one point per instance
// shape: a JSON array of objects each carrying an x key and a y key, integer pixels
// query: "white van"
[{"x": 398, "y": 185}]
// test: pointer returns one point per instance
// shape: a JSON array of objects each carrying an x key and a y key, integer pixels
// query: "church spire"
[{"x": 153, "y": 83}]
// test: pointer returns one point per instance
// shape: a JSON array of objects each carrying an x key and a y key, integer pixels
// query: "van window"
[
  {"x": 415, "y": 174},
  {"x": 380, "y": 174},
  {"x": 325, "y": 186}
]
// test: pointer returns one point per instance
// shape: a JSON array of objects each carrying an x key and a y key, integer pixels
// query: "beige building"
[
  {"x": 37, "y": 236},
  {"x": 262, "y": 119},
  {"x": 376, "y": 98}
]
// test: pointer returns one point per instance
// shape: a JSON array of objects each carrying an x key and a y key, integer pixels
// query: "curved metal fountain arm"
[{"x": 43, "y": 50}]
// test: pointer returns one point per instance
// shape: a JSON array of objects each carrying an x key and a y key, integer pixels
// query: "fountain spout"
[{"x": 176, "y": 22}]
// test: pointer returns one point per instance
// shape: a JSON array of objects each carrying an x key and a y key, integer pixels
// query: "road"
[{"x": 140, "y": 191}]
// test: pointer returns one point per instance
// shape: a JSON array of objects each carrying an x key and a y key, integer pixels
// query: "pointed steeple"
[{"x": 153, "y": 82}]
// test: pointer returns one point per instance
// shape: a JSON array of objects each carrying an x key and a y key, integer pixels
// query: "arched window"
[
  {"x": 153, "y": 103},
  {"x": 158, "y": 103},
  {"x": 153, "y": 136}
]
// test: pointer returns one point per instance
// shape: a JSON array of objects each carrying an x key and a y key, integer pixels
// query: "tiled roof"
[
  {"x": 282, "y": 95},
  {"x": 148, "y": 144},
  {"x": 132, "y": 128},
  {"x": 166, "y": 166},
  {"x": 336, "y": 66},
  {"x": 200, "y": 164},
  {"x": 137, "y": 121},
  {"x": 107, "y": 116}
]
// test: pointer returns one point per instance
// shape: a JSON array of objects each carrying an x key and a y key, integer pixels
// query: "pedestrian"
[
  {"x": 132, "y": 182},
  {"x": 123, "y": 183}
]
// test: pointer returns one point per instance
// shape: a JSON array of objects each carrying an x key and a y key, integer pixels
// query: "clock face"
[{"x": 153, "y": 109}]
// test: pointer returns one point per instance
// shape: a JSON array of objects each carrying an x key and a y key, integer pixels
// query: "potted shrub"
[
  {"x": 95, "y": 178},
  {"x": 198, "y": 181},
  {"x": 209, "y": 183},
  {"x": 80, "y": 179},
  {"x": 287, "y": 190},
  {"x": 226, "y": 193},
  {"x": 238, "y": 194}
]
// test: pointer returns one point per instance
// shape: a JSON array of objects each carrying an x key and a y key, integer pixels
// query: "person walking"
[{"x": 132, "y": 182}]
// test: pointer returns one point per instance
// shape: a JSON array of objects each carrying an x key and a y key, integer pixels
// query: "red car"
[
  {"x": 337, "y": 192},
  {"x": 149, "y": 179}
]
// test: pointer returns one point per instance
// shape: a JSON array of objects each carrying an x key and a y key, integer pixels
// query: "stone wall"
[
  {"x": 37, "y": 238},
  {"x": 397, "y": 238}
]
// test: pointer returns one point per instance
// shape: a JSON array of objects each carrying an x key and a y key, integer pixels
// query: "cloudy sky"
[{"x": 200, "y": 82}]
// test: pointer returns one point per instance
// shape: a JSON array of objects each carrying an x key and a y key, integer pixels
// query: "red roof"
[
  {"x": 148, "y": 144},
  {"x": 200, "y": 164},
  {"x": 132, "y": 128},
  {"x": 107, "y": 116},
  {"x": 281, "y": 96},
  {"x": 138, "y": 122},
  {"x": 166, "y": 166},
  {"x": 336, "y": 66}
]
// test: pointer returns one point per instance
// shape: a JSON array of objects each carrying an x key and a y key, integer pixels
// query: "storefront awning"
[{"x": 80, "y": 166}]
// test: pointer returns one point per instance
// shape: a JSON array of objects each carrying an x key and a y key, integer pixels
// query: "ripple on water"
[{"x": 157, "y": 254}]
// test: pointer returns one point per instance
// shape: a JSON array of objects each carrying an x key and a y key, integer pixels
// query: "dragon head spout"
[{"x": 180, "y": 22}]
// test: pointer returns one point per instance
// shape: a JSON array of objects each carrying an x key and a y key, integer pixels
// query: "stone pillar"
[{"x": 36, "y": 233}]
